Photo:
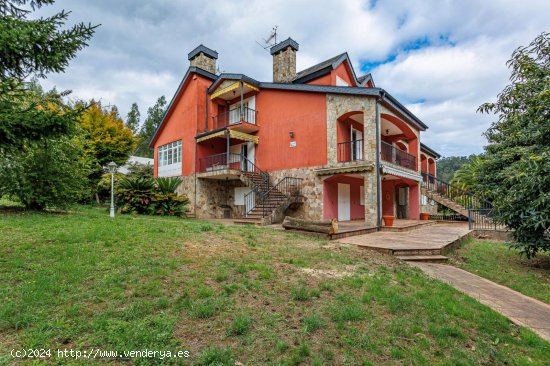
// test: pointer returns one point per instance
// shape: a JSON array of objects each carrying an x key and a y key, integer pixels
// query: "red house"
[{"x": 321, "y": 143}]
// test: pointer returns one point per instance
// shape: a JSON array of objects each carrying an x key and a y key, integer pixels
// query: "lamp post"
[{"x": 112, "y": 169}]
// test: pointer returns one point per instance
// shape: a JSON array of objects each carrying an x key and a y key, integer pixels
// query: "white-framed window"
[
  {"x": 169, "y": 159},
  {"x": 170, "y": 153}
]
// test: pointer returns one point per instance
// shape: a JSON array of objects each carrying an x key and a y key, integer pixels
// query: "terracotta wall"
[
  {"x": 330, "y": 197},
  {"x": 282, "y": 112}
]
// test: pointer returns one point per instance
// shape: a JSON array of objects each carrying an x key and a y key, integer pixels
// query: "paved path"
[
  {"x": 431, "y": 237},
  {"x": 520, "y": 309}
]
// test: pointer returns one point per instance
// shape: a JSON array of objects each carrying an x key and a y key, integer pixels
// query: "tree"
[
  {"x": 132, "y": 119},
  {"x": 45, "y": 173},
  {"x": 446, "y": 167},
  {"x": 150, "y": 125},
  {"x": 467, "y": 176},
  {"x": 515, "y": 166},
  {"x": 34, "y": 47},
  {"x": 106, "y": 139}
]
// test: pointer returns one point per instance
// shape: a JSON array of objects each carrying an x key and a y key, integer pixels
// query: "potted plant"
[
  {"x": 424, "y": 216},
  {"x": 388, "y": 220}
]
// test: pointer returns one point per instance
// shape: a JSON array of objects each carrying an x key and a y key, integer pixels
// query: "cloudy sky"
[{"x": 441, "y": 58}]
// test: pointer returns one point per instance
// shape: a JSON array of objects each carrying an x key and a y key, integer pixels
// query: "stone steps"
[{"x": 424, "y": 258}]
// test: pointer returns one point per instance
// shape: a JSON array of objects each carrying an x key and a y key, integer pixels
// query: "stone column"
[{"x": 371, "y": 184}]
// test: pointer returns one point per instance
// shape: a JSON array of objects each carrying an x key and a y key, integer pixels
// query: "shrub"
[{"x": 150, "y": 196}]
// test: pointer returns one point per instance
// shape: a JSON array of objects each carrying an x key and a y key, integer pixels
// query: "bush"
[{"x": 151, "y": 197}]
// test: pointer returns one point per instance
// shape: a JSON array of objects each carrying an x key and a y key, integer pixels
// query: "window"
[{"x": 170, "y": 153}]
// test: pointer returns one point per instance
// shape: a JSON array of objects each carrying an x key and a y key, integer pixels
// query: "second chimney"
[
  {"x": 284, "y": 61},
  {"x": 204, "y": 58}
]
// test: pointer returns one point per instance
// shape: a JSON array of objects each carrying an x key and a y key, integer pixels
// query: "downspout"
[
  {"x": 195, "y": 178},
  {"x": 378, "y": 187}
]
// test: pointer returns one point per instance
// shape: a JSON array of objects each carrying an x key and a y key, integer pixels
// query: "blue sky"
[{"x": 442, "y": 59}]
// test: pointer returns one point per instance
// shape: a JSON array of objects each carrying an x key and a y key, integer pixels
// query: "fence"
[{"x": 482, "y": 219}]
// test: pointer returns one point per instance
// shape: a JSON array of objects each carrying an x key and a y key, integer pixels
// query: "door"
[
  {"x": 356, "y": 144},
  {"x": 402, "y": 209},
  {"x": 244, "y": 163},
  {"x": 344, "y": 202}
]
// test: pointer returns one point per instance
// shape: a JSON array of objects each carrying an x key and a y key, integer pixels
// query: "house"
[
  {"x": 321, "y": 143},
  {"x": 134, "y": 160}
]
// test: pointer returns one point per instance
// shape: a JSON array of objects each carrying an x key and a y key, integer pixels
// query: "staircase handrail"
[
  {"x": 441, "y": 187},
  {"x": 283, "y": 187}
]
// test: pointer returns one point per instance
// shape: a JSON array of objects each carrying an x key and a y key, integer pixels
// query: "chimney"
[
  {"x": 284, "y": 61},
  {"x": 204, "y": 58}
]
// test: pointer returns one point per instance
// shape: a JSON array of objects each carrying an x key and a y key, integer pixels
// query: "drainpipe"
[
  {"x": 195, "y": 178},
  {"x": 378, "y": 187}
]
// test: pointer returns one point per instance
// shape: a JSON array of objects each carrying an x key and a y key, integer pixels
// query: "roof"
[
  {"x": 190, "y": 70},
  {"x": 430, "y": 151},
  {"x": 327, "y": 65},
  {"x": 202, "y": 48},
  {"x": 289, "y": 42},
  {"x": 363, "y": 80},
  {"x": 231, "y": 76}
]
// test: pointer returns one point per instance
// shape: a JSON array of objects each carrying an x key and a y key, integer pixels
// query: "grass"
[
  {"x": 496, "y": 262},
  {"x": 226, "y": 294}
]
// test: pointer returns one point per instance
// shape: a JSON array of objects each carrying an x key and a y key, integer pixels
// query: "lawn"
[
  {"x": 225, "y": 294},
  {"x": 496, "y": 262}
]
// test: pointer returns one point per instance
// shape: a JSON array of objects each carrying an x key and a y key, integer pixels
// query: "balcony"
[
  {"x": 350, "y": 151},
  {"x": 396, "y": 156},
  {"x": 243, "y": 120}
]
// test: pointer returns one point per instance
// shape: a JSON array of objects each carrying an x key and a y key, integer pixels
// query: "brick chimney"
[
  {"x": 284, "y": 61},
  {"x": 204, "y": 58}
]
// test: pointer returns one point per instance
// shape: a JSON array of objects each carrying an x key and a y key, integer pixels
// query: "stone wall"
[
  {"x": 212, "y": 195},
  {"x": 284, "y": 66},
  {"x": 204, "y": 62}
]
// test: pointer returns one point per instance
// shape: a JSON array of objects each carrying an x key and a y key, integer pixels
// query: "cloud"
[{"x": 441, "y": 58}]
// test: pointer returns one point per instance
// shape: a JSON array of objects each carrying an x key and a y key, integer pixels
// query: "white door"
[{"x": 344, "y": 206}]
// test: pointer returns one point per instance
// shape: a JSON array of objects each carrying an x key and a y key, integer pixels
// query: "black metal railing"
[
  {"x": 394, "y": 155},
  {"x": 482, "y": 219},
  {"x": 350, "y": 151},
  {"x": 265, "y": 201},
  {"x": 222, "y": 161},
  {"x": 447, "y": 217},
  {"x": 235, "y": 117},
  {"x": 456, "y": 194}
]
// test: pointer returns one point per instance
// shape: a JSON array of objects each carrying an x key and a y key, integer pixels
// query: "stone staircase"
[
  {"x": 453, "y": 197},
  {"x": 266, "y": 202}
]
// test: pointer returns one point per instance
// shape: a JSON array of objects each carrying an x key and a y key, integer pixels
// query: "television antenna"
[{"x": 271, "y": 40}]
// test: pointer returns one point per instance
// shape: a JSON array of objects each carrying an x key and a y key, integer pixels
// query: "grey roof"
[
  {"x": 325, "y": 67},
  {"x": 191, "y": 69},
  {"x": 202, "y": 48},
  {"x": 289, "y": 42},
  {"x": 429, "y": 150},
  {"x": 363, "y": 80}
]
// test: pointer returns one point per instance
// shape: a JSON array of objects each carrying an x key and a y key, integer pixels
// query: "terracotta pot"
[
  {"x": 424, "y": 216},
  {"x": 388, "y": 220}
]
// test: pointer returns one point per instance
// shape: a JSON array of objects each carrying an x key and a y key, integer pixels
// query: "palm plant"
[{"x": 168, "y": 185}]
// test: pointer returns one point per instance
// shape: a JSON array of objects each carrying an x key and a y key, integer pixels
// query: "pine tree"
[
  {"x": 150, "y": 125},
  {"x": 33, "y": 47},
  {"x": 132, "y": 119}
]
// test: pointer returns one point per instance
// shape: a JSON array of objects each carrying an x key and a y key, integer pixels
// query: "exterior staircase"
[
  {"x": 266, "y": 202},
  {"x": 455, "y": 198}
]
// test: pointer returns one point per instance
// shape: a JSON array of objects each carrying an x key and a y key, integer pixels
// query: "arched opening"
[
  {"x": 431, "y": 166},
  {"x": 349, "y": 136},
  {"x": 396, "y": 134},
  {"x": 424, "y": 163}
]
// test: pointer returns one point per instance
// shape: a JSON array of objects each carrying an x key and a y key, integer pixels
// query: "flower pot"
[
  {"x": 424, "y": 216},
  {"x": 388, "y": 220}
]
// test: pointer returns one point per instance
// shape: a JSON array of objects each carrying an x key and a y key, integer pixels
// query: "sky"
[{"x": 440, "y": 58}]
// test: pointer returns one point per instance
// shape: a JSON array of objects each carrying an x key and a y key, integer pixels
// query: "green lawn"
[
  {"x": 254, "y": 295},
  {"x": 496, "y": 262}
]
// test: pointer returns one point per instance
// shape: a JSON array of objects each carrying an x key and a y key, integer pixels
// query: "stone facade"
[
  {"x": 213, "y": 197},
  {"x": 204, "y": 62},
  {"x": 284, "y": 65},
  {"x": 339, "y": 105}
]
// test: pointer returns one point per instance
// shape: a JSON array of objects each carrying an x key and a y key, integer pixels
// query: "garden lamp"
[{"x": 112, "y": 169}]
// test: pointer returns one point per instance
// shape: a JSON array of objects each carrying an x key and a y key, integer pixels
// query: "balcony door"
[{"x": 356, "y": 144}]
